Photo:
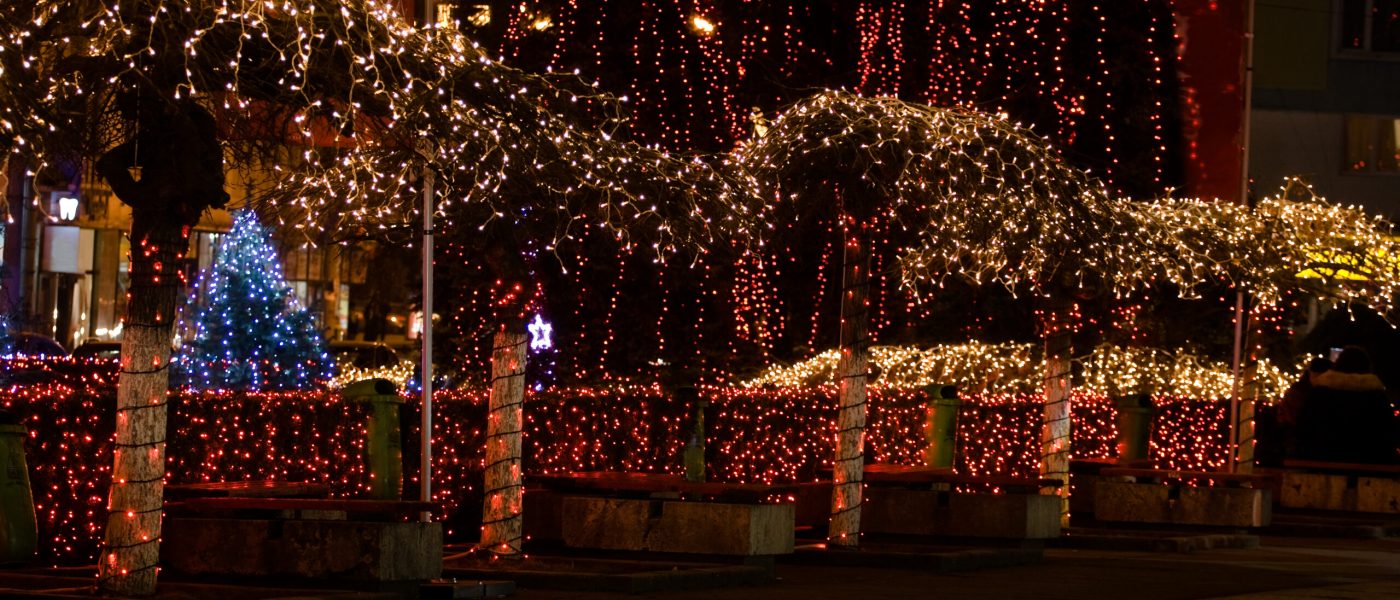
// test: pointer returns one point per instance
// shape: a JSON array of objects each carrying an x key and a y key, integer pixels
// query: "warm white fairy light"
[
  {"x": 702, "y": 25},
  {"x": 401, "y": 374},
  {"x": 1010, "y": 369}
]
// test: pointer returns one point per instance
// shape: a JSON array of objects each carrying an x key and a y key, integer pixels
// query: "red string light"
[{"x": 757, "y": 435}]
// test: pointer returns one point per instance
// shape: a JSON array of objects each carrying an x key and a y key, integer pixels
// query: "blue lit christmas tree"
[
  {"x": 7, "y": 341},
  {"x": 245, "y": 329}
]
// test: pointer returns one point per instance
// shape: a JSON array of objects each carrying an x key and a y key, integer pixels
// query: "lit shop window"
[{"x": 1371, "y": 145}]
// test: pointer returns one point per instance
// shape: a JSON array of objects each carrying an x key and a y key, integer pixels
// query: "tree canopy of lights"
[
  {"x": 543, "y": 154},
  {"x": 970, "y": 194},
  {"x": 985, "y": 199},
  {"x": 246, "y": 329},
  {"x": 1294, "y": 239}
]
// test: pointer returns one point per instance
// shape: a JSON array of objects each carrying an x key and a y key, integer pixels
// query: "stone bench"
[
  {"x": 1351, "y": 487},
  {"x": 926, "y": 501},
  {"x": 1183, "y": 497},
  {"x": 1085, "y": 474},
  {"x": 660, "y": 513},
  {"x": 688, "y": 527},
  {"x": 302, "y": 537}
]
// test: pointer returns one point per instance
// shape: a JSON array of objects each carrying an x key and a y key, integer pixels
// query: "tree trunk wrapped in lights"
[
  {"x": 131, "y": 549},
  {"x": 1055, "y": 434},
  {"x": 501, "y": 529},
  {"x": 848, "y": 468},
  {"x": 169, "y": 176},
  {"x": 1244, "y": 421}
]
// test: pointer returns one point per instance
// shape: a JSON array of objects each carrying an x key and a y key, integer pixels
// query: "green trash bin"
[
  {"x": 1135, "y": 414},
  {"x": 941, "y": 426},
  {"x": 693, "y": 454},
  {"x": 383, "y": 442},
  {"x": 19, "y": 533}
]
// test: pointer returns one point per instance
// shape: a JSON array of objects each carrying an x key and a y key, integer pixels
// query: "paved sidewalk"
[
  {"x": 1284, "y": 568},
  {"x": 1280, "y": 568}
]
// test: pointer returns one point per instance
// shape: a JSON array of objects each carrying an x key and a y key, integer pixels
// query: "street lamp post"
[{"x": 426, "y": 366}]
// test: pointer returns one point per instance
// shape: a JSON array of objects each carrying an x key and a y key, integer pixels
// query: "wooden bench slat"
[
  {"x": 1226, "y": 478},
  {"x": 250, "y": 489},
  {"x": 321, "y": 504},
  {"x": 905, "y": 473},
  {"x": 912, "y": 474},
  {"x": 1349, "y": 468},
  {"x": 1001, "y": 481},
  {"x": 613, "y": 481}
]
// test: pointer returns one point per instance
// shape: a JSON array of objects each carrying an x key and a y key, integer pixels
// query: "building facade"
[{"x": 1327, "y": 99}]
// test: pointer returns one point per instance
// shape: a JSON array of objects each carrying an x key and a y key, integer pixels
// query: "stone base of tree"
[
  {"x": 676, "y": 526},
  {"x": 1340, "y": 492},
  {"x": 544, "y": 515},
  {"x": 927, "y": 512},
  {"x": 1132, "y": 502},
  {"x": 355, "y": 550}
]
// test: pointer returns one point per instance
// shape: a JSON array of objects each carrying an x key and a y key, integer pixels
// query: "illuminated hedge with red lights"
[{"x": 754, "y": 435}]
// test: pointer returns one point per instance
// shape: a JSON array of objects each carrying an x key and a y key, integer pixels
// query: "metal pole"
[
  {"x": 1236, "y": 367},
  {"x": 1233, "y": 449},
  {"x": 426, "y": 467}
]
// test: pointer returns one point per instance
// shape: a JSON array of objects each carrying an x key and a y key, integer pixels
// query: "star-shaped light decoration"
[{"x": 539, "y": 334}]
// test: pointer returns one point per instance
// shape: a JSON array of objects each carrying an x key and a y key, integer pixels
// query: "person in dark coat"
[
  {"x": 1279, "y": 438},
  {"x": 1346, "y": 416}
]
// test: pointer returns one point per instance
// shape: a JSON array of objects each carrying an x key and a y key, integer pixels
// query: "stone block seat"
[
  {"x": 314, "y": 538},
  {"x": 1184, "y": 497},
  {"x": 1353, "y": 487},
  {"x": 1085, "y": 474},
  {"x": 912, "y": 500},
  {"x": 660, "y": 513}
]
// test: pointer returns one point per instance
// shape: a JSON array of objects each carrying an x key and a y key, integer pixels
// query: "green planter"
[
  {"x": 941, "y": 426},
  {"x": 1135, "y": 414},
  {"x": 19, "y": 532},
  {"x": 383, "y": 441}
]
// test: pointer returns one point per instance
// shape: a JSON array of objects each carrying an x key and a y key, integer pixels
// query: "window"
[
  {"x": 1371, "y": 144},
  {"x": 444, "y": 17},
  {"x": 1370, "y": 26}
]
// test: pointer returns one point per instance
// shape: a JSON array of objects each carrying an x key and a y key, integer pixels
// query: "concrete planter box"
[
  {"x": 1340, "y": 492},
  {"x": 355, "y": 550},
  {"x": 1378, "y": 495},
  {"x": 677, "y": 526},
  {"x": 1126, "y": 501},
  {"x": 927, "y": 512}
]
